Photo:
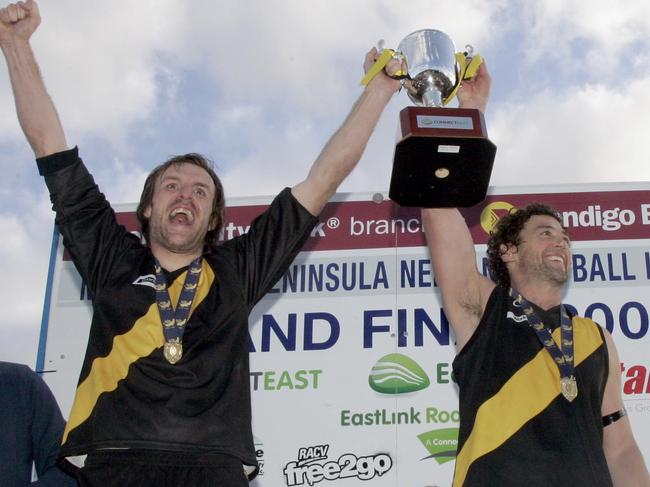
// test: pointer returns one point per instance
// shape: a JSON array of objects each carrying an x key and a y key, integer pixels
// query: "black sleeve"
[
  {"x": 85, "y": 219},
  {"x": 271, "y": 244}
]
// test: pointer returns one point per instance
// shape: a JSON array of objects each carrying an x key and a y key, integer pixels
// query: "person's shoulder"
[
  {"x": 592, "y": 331},
  {"x": 15, "y": 368},
  {"x": 585, "y": 322},
  {"x": 14, "y": 373}
]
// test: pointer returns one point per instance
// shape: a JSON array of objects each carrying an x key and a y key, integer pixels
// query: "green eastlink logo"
[
  {"x": 441, "y": 444},
  {"x": 396, "y": 374}
]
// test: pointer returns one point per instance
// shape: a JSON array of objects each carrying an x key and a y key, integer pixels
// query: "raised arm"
[
  {"x": 464, "y": 290},
  {"x": 36, "y": 112},
  {"x": 624, "y": 458},
  {"x": 341, "y": 154}
]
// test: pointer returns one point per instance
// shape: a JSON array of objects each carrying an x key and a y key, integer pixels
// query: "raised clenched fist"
[{"x": 18, "y": 21}]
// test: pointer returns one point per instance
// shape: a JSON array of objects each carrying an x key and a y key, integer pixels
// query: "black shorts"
[{"x": 129, "y": 468}]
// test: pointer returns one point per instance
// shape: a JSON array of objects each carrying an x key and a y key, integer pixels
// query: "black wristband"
[{"x": 612, "y": 418}]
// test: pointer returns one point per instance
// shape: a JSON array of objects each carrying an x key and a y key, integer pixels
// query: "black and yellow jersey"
[
  {"x": 516, "y": 428},
  {"x": 128, "y": 395}
]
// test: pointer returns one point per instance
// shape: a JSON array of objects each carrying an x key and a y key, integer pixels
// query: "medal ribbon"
[
  {"x": 563, "y": 358},
  {"x": 175, "y": 318}
]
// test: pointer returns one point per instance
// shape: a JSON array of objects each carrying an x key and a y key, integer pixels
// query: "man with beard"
[
  {"x": 532, "y": 412},
  {"x": 163, "y": 396}
]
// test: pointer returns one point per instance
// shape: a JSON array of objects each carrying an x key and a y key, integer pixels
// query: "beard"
[
  {"x": 175, "y": 242},
  {"x": 550, "y": 274}
]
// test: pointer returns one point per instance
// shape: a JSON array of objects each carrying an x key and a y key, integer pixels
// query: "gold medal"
[
  {"x": 569, "y": 388},
  {"x": 173, "y": 350}
]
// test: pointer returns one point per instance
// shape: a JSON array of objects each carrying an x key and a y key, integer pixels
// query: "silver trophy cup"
[
  {"x": 443, "y": 157},
  {"x": 430, "y": 59}
]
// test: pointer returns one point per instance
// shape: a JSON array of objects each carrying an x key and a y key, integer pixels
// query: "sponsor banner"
[
  {"x": 381, "y": 223},
  {"x": 351, "y": 352}
]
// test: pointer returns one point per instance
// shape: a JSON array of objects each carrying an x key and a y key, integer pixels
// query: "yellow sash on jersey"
[
  {"x": 528, "y": 392},
  {"x": 145, "y": 336}
]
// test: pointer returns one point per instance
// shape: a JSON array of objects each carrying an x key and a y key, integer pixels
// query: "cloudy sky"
[{"x": 260, "y": 86}]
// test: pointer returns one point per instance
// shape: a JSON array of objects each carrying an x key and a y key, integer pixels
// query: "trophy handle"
[
  {"x": 385, "y": 56},
  {"x": 468, "y": 66},
  {"x": 472, "y": 61}
]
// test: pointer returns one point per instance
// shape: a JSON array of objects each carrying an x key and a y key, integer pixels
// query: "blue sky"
[{"x": 259, "y": 87}]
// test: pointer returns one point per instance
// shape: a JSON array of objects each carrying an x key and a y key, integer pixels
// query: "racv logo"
[
  {"x": 147, "y": 280},
  {"x": 314, "y": 464}
]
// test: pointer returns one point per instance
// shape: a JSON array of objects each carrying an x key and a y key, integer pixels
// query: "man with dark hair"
[
  {"x": 163, "y": 396},
  {"x": 539, "y": 391},
  {"x": 218, "y": 202},
  {"x": 31, "y": 426},
  {"x": 507, "y": 234}
]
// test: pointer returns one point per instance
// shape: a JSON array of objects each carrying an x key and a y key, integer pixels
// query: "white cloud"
[
  {"x": 605, "y": 39},
  {"x": 101, "y": 60},
  {"x": 310, "y": 54},
  {"x": 593, "y": 135},
  {"x": 122, "y": 60},
  {"x": 122, "y": 181}
]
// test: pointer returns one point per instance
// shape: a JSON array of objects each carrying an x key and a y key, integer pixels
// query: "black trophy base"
[{"x": 432, "y": 169}]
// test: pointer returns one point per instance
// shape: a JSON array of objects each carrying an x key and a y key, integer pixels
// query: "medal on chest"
[
  {"x": 569, "y": 388},
  {"x": 173, "y": 350},
  {"x": 174, "y": 318}
]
